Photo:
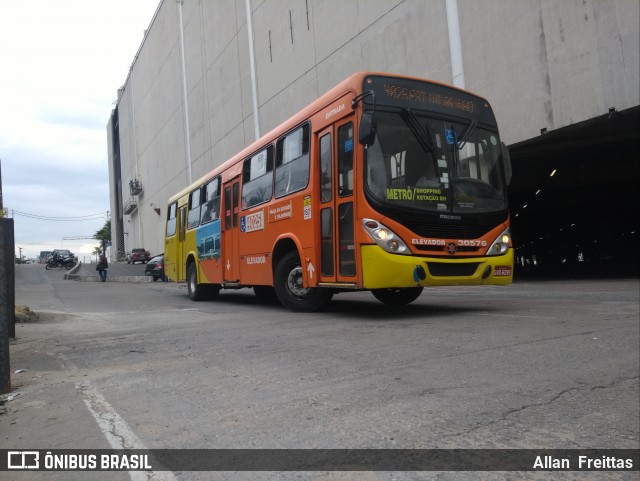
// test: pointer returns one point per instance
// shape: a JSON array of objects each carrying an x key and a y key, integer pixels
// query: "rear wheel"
[
  {"x": 397, "y": 297},
  {"x": 196, "y": 291},
  {"x": 290, "y": 290}
]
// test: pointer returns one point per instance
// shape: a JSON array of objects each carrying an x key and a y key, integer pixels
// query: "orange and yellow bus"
[{"x": 385, "y": 183}]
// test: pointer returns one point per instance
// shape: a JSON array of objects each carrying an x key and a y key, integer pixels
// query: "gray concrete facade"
[{"x": 543, "y": 64}]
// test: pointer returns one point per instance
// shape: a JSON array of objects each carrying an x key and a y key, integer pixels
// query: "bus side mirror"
[
  {"x": 506, "y": 161},
  {"x": 367, "y": 131}
]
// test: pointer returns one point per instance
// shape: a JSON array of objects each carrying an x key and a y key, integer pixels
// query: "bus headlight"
[
  {"x": 385, "y": 237},
  {"x": 501, "y": 244}
]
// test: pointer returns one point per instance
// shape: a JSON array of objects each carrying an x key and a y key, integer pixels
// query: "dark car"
[
  {"x": 138, "y": 255},
  {"x": 155, "y": 268},
  {"x": 63, "y": 252}
]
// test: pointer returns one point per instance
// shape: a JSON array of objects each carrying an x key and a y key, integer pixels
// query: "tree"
[{"x": 104, "y": 235}]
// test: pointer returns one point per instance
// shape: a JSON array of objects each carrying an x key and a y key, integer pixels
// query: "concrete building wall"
[{"x": 541, "y": 63}]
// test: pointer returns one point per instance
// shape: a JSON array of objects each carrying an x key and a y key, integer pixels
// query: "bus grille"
[
  {"x": 440, "y": 231},
  {"x": 441, "y": 269},
  {"x": 432, "y": 225}
]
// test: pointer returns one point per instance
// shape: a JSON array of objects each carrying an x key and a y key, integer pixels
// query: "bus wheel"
[
  {"x": 196, "y": 291},
  {"x": 397, "y": 297},
  {"x": 290, "y": 291}
]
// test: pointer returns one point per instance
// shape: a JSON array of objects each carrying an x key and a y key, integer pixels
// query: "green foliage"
[{"x": 104, "y": 234}]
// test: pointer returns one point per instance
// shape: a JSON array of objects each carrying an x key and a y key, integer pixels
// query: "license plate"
[{"x": 502, "y": 271}]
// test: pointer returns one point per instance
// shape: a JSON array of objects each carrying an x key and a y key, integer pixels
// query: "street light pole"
[{"x": 185, "y": 100}]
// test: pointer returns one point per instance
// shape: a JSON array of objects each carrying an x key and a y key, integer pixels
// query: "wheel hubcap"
[{"x": 294, "y": 283}]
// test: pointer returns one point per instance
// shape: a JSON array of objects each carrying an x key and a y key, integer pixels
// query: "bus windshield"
[{"x": 428, "y": 163}]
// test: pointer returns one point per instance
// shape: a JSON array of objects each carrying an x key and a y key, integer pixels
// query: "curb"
[
  {"x": 72, "y": 276},
  {"x": 134, "y": 279}
]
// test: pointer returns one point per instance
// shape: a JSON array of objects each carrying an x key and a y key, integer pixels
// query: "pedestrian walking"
[{"x": 102, "y": 267}]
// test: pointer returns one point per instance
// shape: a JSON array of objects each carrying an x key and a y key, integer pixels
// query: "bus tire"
[
  {"x": 289, "y": 289},
  {"x": 196, "y": 291},
  {"x": 397, "y": 297}
]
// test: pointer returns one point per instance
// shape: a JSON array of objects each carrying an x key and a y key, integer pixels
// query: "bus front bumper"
[{"x": 382, "y": 270}]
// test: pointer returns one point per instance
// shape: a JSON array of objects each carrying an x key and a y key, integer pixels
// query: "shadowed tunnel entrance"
[{"x": 574, "y": 199}]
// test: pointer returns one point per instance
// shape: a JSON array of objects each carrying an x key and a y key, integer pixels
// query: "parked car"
[
  {"x": 63, "y": 252},
  {"x": 155, "y": 268},
  {"x": 138, "y": 255}
]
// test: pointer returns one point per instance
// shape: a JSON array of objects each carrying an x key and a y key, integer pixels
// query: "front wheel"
[
  {"x": 48, "y": 266},
  {"x": 397, "y": 297},
  {"x": 196, "y": 291},
  {"x": 290, "y": 290}
]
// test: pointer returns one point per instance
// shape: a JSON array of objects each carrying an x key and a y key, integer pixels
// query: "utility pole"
[
  {"x": 7, "y": 294},
  {"x": 185, "y": 101}
]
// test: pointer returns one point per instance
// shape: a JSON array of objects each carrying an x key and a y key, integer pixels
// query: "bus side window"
[
  {"x": 194, "y": 209},
  {"x": 171, "y": 219},
  {"x": 257, "y": 178},
  {"x": 345, "y": 159},
  {"x": 211, "y": 201},
  {"x": 292, "y": 162}
]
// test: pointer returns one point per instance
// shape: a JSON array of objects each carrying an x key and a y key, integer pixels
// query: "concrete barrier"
[
  {"x": 73, "y": 270},
  {"x": 76, "y": 274}
]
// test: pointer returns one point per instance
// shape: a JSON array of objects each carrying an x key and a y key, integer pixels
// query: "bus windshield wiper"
[
  {"x": 421, "y": 133},
  {"x": 466, "y": 134}
]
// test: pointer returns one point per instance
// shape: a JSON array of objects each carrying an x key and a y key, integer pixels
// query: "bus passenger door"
[
  {"x": 337, "y": 247},
  {"x": 230, "y": 234},
  {"x": 181, "y": 263}
]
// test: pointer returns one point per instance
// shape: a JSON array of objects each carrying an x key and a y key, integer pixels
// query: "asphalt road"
[{"x": 534, "y": 365}]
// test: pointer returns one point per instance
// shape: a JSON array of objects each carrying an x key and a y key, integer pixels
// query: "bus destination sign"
[
  {"x": 428, "y": 97},
  {"x": 419, "y": 95}
]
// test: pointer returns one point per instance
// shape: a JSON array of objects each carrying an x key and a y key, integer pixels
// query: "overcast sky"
[{"x": 61, "y": 64}]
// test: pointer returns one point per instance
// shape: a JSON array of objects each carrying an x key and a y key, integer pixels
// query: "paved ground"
[{"x": 533, "y": 365}]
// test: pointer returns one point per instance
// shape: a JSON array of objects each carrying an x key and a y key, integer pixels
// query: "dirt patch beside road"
[{"x": 24, "y": 314}]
